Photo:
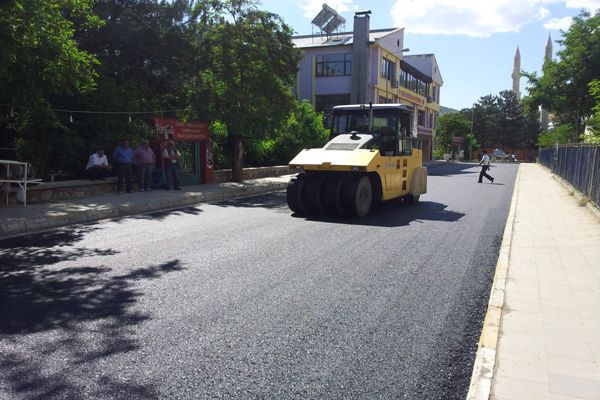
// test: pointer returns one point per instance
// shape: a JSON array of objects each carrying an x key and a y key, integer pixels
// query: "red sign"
[
  {"x": 412, "y": 98},
  {"x": 193, "y": 131}
]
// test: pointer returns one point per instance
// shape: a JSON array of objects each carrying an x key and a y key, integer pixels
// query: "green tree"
[
  {"x": 246, "y": 65},
  {"x": 512, "y": 124},
  {"x": 594, "y": 122},
  {"x": 302, "y": 129},
  {"x": 145, "y": 52},
  {"x": 486, "y": 114},
  {"x": 40, "y": 60},
  {"x": 559, "y": 135},
  {"x": 449, "y": 126},
  {"x": 563, "y": 87}
]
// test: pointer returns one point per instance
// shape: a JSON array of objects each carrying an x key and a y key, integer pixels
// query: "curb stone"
[
  {"x": 485, "y": 358},
  {"x": 24, "y": 226}
]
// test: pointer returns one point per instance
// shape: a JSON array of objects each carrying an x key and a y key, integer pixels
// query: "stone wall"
[
  {"x": 224, "y": 175},
  {"x": 77, "y": 189}
]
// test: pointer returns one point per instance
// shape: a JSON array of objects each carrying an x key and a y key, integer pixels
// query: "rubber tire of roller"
[
  {"x": 364, "y": 197},
  {"x": 309, "y": 196},
  {"x": 328, "y": 196},
  {"x": 294, "y": 194}
]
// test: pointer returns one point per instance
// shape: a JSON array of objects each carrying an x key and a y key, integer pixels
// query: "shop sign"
[
  {"x": 412, "y": 98},
  {"x": 424, "y": 130},
  {"x": 192, "y": 131}
]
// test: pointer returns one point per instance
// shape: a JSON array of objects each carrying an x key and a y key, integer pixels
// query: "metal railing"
[{"x": 577, "y": 164}]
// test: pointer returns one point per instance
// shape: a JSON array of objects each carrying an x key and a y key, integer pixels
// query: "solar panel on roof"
[
  {"x": 334, "y": 23},
  {"x": 328, "y": 16}
]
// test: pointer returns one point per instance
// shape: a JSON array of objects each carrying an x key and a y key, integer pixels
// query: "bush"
[{"x": 304, "y": 128}]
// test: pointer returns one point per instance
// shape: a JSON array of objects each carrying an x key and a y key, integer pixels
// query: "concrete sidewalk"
[
  {"x": 541, "y": 336},
  {"x": 16, "y": 219}
]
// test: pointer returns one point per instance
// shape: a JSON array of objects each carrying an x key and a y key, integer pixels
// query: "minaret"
[
  {"x": 547, "y": 57},
  {"x": 548, "y": 52},
  {"x": 516, "y": 75}
]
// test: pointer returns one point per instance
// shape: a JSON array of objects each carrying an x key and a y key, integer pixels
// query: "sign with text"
[{"x": 192, "y": 131}]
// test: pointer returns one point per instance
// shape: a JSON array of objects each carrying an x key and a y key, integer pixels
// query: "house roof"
[
  {"x": 427, "y": 64},
  {"x": 340, "y": 39},
  {"x": 423, "y": 66}
]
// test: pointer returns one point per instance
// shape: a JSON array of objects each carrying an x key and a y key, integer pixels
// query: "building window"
[
  {"x": 421, "y": 118},
  {"x": 325, "y": 103},
  {"x": 334, "y": 65},
  {"x": 388, "y": 69}
]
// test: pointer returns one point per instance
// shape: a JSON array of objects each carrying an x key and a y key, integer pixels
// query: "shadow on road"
[
  {"x": 161, "y": 215},
  {"x": 46, "y": 249},
  {"x": 275, "y": 201},
  {"x": 395, "y": 213},
  {"x": 78, "y": 316},
  {"x": 453, "y": 169}
]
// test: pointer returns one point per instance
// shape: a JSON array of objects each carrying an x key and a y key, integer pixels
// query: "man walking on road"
[{"x": 485, "y": 165}]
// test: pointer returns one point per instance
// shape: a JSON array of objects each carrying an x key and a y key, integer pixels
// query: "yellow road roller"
[{"x": 370, "y": 157}]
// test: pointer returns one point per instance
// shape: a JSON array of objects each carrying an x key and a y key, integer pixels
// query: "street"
[{"x": 242, "y": 299}]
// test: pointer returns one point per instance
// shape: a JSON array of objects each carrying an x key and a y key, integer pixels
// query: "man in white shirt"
[
  {"x": 485, "y": 165},
  {"x": 97, "y": 166}
]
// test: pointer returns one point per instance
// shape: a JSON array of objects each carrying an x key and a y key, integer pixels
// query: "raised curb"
[
  {"x": 485, "y": 359},
  {"x": 51, "y": 220}
]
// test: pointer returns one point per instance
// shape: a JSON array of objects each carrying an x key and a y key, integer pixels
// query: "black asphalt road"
[{"x": 242, "y": 300}]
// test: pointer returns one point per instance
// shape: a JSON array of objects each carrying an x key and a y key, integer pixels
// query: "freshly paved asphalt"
[{"x": 241, "y": 299}]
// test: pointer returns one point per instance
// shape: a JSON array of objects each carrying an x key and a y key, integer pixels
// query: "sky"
[{"x": 474, "y": 41}]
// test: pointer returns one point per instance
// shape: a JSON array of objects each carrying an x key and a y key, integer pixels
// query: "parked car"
[{"x": 499, "y": 154}]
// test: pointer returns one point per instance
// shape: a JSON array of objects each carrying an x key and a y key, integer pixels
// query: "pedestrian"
[
  {"x": 144, "y": 158},
  {"x": 123, "y": 156},
  {"x": 97, "y": 166},
  {"x": 171, "y": 157},
  {"x": 158, "y": 145},
  {"x": 485, "y": 165},
  {"x": 4, "y": 186}
]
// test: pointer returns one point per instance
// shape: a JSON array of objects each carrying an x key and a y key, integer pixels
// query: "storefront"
[{"x": 193, "y": 142}]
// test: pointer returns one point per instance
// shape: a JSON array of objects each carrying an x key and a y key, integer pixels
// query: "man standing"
[
  {"x": 158, "y": 145},
  {"x": 171, "y": 156},
  {"x": 123, "y": 156},
  {"x": 144, "y": 158},
  {"x": 485, "y": 165},
  {"x": 97, "y": 166}
]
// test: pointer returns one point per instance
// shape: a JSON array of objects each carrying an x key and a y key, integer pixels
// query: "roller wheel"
[
  {"x": 410, "y": 199},
  {"x": 309, "y": 196},
  {"x": 329, "y": 195},
  {"x": 357, "y": 196},
  {"x": 294, "y": 194}
]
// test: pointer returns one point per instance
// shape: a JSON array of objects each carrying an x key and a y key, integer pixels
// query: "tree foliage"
[
  {"x": 41, "y": 60},
  {"x": 503, "y": 121},
  {"x": 594, "y": 123},
  {"x": 303, "y": 128},
  {"x": 563, "y": 88},
  {"x": 246, "y": 67},
  {"x": 223, "y": 61}
]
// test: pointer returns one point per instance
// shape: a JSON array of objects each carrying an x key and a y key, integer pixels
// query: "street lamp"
[{"x": 406, "y": 49}]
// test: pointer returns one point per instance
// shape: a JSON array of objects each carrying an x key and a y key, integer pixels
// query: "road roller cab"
[{"x": 370, "y": 157}]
